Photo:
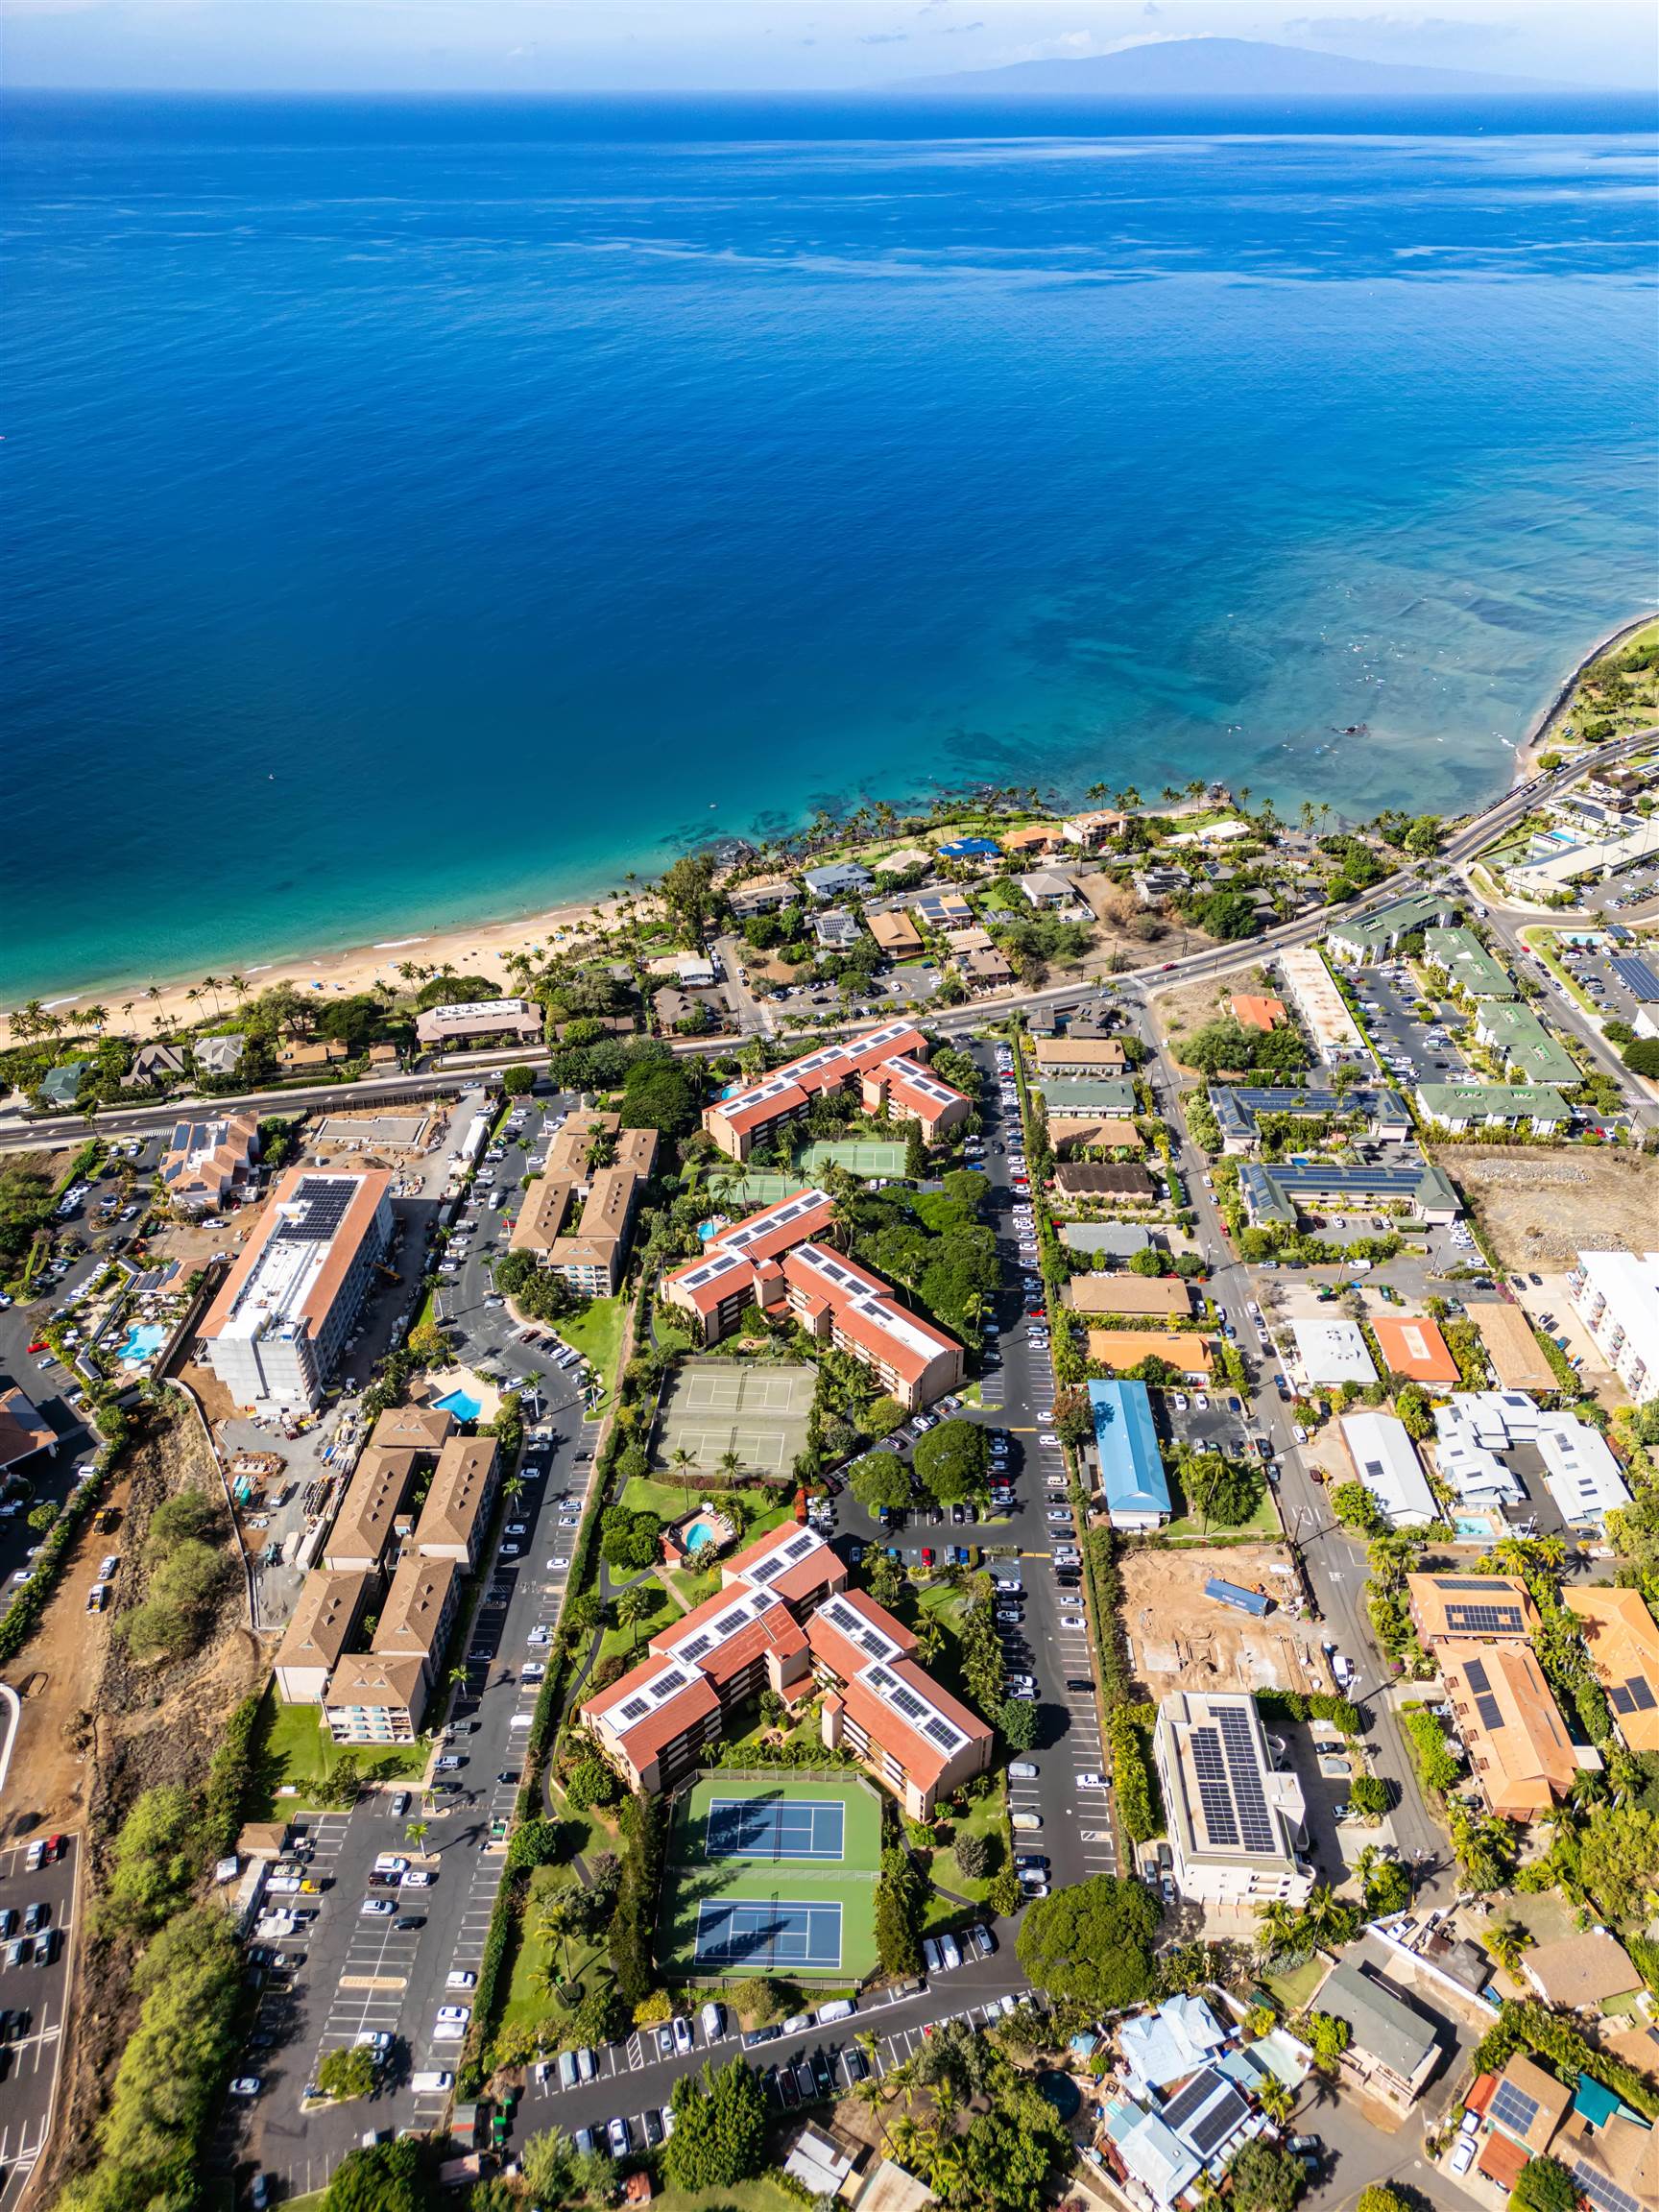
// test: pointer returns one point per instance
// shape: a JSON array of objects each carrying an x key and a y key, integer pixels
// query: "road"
[
  {"x": 32, "y": 2003},
  {"x": 443, "y": 1082}
]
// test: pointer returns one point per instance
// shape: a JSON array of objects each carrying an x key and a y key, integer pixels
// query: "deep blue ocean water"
[{"x": 415, "y": 512}]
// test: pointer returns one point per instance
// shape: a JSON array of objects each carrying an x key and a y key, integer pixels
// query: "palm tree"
[
  {"x": 1280, "y": 1932},
  {"x": 1506, "y": 1941},
  {"x": 632, "y": 1608},
  {"x": 1277, "y": 2098},
  {"x": 239, "y": 986},
  {"x": 213, "y": 984},
  {"x": 416, "y": 1832},
  {"x": 98, "y": 1016},
  {"x": 682, "y": 1459},
  {"x": 730, "y": 1463}
]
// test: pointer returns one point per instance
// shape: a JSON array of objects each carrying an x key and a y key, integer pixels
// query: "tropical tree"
[
  {"x": 632, "y": 1608},
  {"x": 1507, "y": 1940}
]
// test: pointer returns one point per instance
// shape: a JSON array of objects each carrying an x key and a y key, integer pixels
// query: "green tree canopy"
[
  {"x": 1266, "y": 2177},
  {"x": 879, "y": 1479},
  {"x": 1093, "y": 1942},
  {"x": 382, "y": 2177},
  {"x": 347, "y": 2073},
  {"x": 951, "y": 1461},
  {"x": 1544, "y": 2185},
  {"x": 719, "y": 2135}
]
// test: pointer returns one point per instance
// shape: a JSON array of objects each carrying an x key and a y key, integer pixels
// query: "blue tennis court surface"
[
  {"x": 776, "y": 1828},
  {"x": 735, "y": 1933}
]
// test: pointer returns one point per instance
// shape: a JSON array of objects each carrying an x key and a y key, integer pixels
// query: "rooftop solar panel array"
[
  {"x": 319, "y": 1206},
  {"x": 1484, "y": 1620},
  {"x": 1512, "y": 2108},
  {"x": 1631, "y": 1697},
  {"x": 1637, "y": 977},
  {"x": 1597, "y": 2190}
]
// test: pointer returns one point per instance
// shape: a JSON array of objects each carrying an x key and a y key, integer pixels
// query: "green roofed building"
[
  {"x": 1460, "y": 1107},
  {"x": 1109, "y": 1094},
  {"x": 1524, "y": 1045},
  {"x": 1466, "y": 962},
  {"x": 1375, "y": 938}
]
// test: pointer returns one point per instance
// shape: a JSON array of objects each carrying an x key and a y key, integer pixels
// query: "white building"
[
  {"x": 275, "y": 1331},
  {"x": 1385, "y": 1460},
  {"x": 1312, "y": 990},
  {"x": 1235, "y": 1820},
  {"x": 1615, "y": 1295},
  {"x": 1475, "y": 1430},
  {"x": 477, "y": 1020},
  {"x": 1580, "y": 1472},
  {"x": 1333, "y": 1352}
]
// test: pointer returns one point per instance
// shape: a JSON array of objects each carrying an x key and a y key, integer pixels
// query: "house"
[
  {"x": 1037, "y": 837},
  {"x": 1522, "y": 1759},
  {"x": 988, "y": 969},
  {"x": 765, "y": 896},
  {"x": 902, "y": 862},
  {"x": 823, "y": 2163},
  {"x": 1615, "y": 1295},
  {"x": 1331, "y": 1352},
  {"x": 1623, "y": 1642},
  {"x": 276, "y": 1330},
  {"x": 207, "y": 1164},
  {"x": 1239, "y": 1109},
  {"x": 1086, "y": 1057},
  {"x": 1385, "y": 1460},
  {"x": 61, "y": 1086},
  {"x": 835, "y": 931},
  {"x": 1527, "y": 2105},
  {"x": 697, "y": 971},
  {"x": 1124, "y": 1349},
  {"x": 1458, "y": 1608},
  {"x": 24, "y": 1430},
  {"x": 942, "y": 910},
  {"x": 1130, "y": 1467},
  {"x": 888, "y": 1064},
  {"x": 1154, "y": 2161},
  {"x": 897, "y": 935},
  {"x": 837, "y": 880},
  {"x": 480, "y": 1022},
  {"x": 1463, "y": 1107},
  {"x": 1170, "y": 2044},
  {"x": 219, "y": 1055},
  {"x": 972, "y": 938},
  {"x": 1375, "y": 937},
  {"x": 671, "y": 1006},
  {"x": 1152, "y": 884},
  {"x": 1044, "y": 888},
  {"x": 1413, "y": 1346},
  {"x": 1108, "y": 1240},
  {"x": 1394, "y": 2046},
  {"x": 1072, "y": 1101},
  {"x": 1162, "y": 1297},
  {"x": 1253, "y": 1012},
  {"x": 162, "y": 1064},
  {"x": 1581, "y": 1972},
  {"x": 1235, "y": 1819}
]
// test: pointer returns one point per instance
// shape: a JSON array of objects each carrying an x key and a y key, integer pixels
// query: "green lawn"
[
  {"x": 759, "y": 2196},
  {"x": 985, "y": 1816},
  {"x": 1293, "y": 1989},
  {"x": 1192, "y": 1528},
  {"x": 631, "y": 1641},
  {"x": 596, "y": 1333},
  {"x": 299, "y": 1750}
]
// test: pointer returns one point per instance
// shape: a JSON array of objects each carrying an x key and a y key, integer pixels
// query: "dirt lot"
[
  {"x": 1189, "y": 1007},
  {"x": 1181, "y": 1640},
  {"x": 1541, "y": 1207}
]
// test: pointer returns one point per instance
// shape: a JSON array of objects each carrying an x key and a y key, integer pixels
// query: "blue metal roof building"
[{"x": 1132, "y": 1477}]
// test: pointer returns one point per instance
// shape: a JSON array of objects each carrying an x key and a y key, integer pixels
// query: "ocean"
[{"x": 419, "y": 510}]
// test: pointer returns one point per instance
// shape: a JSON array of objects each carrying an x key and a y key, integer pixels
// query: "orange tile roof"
[
  {"x": 657, "y": 1729},
  {"x": 1121, "y": 1349},
  {"x": 922, "y": 1758},
  {"x": 1448, "y": 1606},
  {"x": 1515, "y": 1735},
  {"x": 1254, "y": 1013},
  {"x": 1623, "y": 1641},
  {"x": 1413, "y": 1346},
  {"x": 1550, "y": 2098}
]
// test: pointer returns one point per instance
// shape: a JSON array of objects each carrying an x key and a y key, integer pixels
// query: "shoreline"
[{"x": 482, "y": 947}]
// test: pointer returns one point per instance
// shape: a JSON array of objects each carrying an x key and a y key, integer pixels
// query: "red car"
[
  {"x": 926, "y": 1556},
  {"x": 39, "y": 1345}
]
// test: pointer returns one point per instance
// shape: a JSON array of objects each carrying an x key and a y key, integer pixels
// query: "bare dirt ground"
[
  {"x": 1181, "y": 1640},
  {"x": 1540, "y": 1209},
  {"x": 1187, "y": 1006}
]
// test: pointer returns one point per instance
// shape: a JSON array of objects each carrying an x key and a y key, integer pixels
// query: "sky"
[{"x": 702, "y": 45}]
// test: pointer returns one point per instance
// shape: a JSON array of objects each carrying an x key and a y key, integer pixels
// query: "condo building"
[
  {"x": 1235, "y": 1819},
  {"x": 888, "y": 1066},
  {"x": 274, "y": 1334},
  {"x": 577, "y": 1220}
]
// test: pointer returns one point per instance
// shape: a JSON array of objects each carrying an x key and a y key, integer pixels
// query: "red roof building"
[{"x": 750, "y": 1116}]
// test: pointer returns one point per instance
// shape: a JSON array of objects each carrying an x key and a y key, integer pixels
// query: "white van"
[
  {"x": 713, "y": 2018},
  {"x": 432, "y": 2083},
  {"x": 521, "y": 1721},
  {"x": 841, "y": 2008},
  {"x": 1025, "y": 1820}
]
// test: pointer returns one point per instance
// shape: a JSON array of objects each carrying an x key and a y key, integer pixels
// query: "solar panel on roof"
[
  {"x": 325, "y": 1200},
  {"x": 1216, "y": 2122},
  {"x": 1637, "y": 977},
  {"x": 1483, "y": 1620},
  {"x": 1512, "y": 2108},
  {"x": 942, "y": 1733},
  {"x": 1595, "y": 2189},
  {"x": 1476, "y": 1674},
  {"x": 696, "y": 1650},
  {"x": 1619, "y": 1698},
  {"x": 1465, "y": 1582},
  {"x": 1641, "y": 1697},
  {"x": 1490, "y": 1711},
  {"x": 635, "y": 1709}
]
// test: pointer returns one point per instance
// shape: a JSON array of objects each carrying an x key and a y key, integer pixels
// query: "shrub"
[{"x": 346, "y": 2074}]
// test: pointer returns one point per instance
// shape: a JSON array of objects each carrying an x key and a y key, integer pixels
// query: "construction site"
[{"x": 1180, "y": 1639}]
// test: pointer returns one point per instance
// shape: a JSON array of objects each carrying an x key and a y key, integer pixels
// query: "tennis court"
[
  {"x": 772, "y": 1874},
  {"x": 757, "y": 1409},
  {"x": 776, "y": 1828},
  {"x": 762, "y": 1932},
  {"x": 859, "y": 1155}
]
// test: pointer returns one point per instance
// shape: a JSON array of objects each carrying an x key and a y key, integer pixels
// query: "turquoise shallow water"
[{"x": 420, "y": 511}]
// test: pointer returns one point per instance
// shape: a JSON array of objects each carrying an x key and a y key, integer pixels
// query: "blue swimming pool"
[
  {"x": 699, "y": 1533},
  {"x": 144, "y": 1340},
  {"x": 458, "y": 1403}
]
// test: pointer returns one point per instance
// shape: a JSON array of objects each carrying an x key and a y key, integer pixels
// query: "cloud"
[
  {"x": 1417, "y": 31},
  {"x": 883, "y": 38},
  {"x": 1151, "y": 9},
  {"x": 955, "y": 30}
]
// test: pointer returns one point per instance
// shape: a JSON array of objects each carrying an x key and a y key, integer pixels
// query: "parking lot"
[
  {"x": 1412, "y": 1050},
  {"x": 358, "y": 1970},
  {"x": 32, "y": 1999}
]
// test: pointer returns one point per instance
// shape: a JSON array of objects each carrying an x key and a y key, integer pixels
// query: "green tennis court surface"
[
  {"x": 758, "y": 1411},
  {"x": 773, "y": 1876},
  {"x": 859, "y": 1155}
]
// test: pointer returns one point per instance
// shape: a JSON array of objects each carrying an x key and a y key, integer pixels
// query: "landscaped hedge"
[{"x": 229, "y": 1773}]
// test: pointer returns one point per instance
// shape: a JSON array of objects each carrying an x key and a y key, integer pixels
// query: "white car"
[
  {"x": 1463, "y": 2153},
  {"x": 374, "y": 1907},
  {"x": 1072, "y": 1620},
  {"x": 461, "y": 1977},
  {"x": 540, "y": 1635},
  {"x": 532, "y": 1672},
  {"x": 685, "y": 2042},
  {"x": 1179, "y": 1401}
]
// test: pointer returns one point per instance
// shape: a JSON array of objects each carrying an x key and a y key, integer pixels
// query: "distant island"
[{"x": 1223, "y": 68}]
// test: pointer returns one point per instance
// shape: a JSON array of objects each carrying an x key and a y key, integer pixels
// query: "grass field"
[
  {"x": 596, "y": 1333},
  {"x": 299, "y": 1749},
  {"x": 692, "y": 1878}
]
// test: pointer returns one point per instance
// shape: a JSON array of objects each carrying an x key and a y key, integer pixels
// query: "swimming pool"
[
  {"x": 699, "y": 1533},
  {"x": 144, "y": 1340},
  {"x": 463, "y": 1408}
]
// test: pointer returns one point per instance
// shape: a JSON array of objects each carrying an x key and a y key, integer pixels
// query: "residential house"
[
  {"x": 765, "y": 896},
  {"x": 1095, "y": 829},
  {"x": 1036, "y": 837},
  {"x": 1129, "y": 1465},
  {"x": 836, "y": 879},
  {"x": 1513, "y": 1350},
  {"x": 942, "y": 910},
  {"x": 986, "y": 969},
  {"x": 1394, "y": 2046},
  {"x": 207, "y": 1164},
  {"x": 61, "y": 1086},
  {"x": 897, "y": 935},
  {"x": 1044, "y": 888},
  {"x": 159, "y": 1063},
  {"x": 1124, "y": 1349},
  {"x": 1413, "y": 1346},
  {"x": 1623, "y": 1641},
  {"x": 1331, "y": 1352},
  {"x": 480, "y": 1022},
  {"x": 1250, "y": 1011},
  {"x": 219, "y": 1055},
  {"x": 1119, "y": 1180},
  {"x": 1583, "y": 1972},
  {"x": 1385, "y": 1460},
  {"x": 835, "y": 931}
]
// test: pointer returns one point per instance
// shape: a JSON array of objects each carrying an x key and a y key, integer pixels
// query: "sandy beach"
[
  {"x": 472, "y": 948},
  {"x": 1538, "y": 738}
]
